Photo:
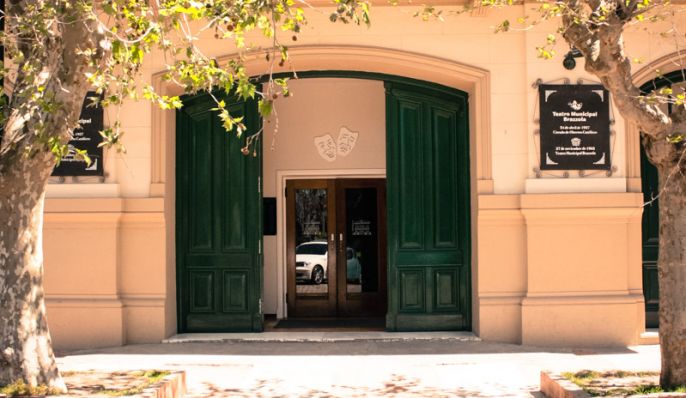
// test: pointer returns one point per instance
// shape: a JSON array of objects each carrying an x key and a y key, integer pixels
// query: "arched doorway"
[{"x": 428, "y": 213}]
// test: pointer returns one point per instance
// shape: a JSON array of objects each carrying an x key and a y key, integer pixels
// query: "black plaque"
[
  {"x": 575, "y": 127},
  {"x": 269, "y": 216},
  {"x": 86, "y": 137}
]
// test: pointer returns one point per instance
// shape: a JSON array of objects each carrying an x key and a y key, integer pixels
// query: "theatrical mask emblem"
[
  {"x": 326, "y": 147},
  {"x": 330, "y": 149}
]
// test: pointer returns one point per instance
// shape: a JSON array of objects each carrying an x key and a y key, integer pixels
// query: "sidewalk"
[{"x": 427, "y": 367}]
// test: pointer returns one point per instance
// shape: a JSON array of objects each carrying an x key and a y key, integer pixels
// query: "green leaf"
[
  {"x": 83, "y": 154},
  {"x": 265, "y": 107},
  {"x": 675, "y": 138},
  {"x": 246, "y": 90}
]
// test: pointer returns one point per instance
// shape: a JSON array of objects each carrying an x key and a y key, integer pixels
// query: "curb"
[
  {"x": 171, "y": 386},
  {"x": 554, "y": 385}
]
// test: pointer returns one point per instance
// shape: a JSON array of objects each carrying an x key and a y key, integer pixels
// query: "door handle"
[{"x": 340, "y": 242}]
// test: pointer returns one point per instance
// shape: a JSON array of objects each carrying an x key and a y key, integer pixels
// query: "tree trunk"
[
  {"x": 25, "y": 347},
  {"x": 672, "y": 275},
  {"x": 58, "y": 66}
]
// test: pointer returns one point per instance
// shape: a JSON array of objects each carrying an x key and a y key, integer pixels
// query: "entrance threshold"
[
  {"x": 322, "y": 337},
  {"x": 360, "y": 324}
]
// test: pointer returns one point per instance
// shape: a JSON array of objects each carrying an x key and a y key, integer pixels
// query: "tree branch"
[{"x": 602, "y": 45}]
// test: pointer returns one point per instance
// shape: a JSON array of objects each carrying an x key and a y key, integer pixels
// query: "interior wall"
[{"x": 320, "y": 107}]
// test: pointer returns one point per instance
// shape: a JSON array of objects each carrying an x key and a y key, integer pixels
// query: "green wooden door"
[
  {"x": 218, "y": 221},
  {"x": 428, "y": 208}
]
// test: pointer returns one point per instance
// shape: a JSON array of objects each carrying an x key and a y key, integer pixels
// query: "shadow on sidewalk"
[
  {"x": 340, "y": 348},
  {"x": 396, "y": 386}
]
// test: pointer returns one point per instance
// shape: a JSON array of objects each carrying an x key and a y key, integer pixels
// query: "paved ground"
[{"x": 359, "y": 368}]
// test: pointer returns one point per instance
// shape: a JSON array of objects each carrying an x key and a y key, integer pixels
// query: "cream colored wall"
[
  {"x": 105, "y": 273},
  {"x": 320, "y": 106},
  {"x": 583, "y": 269},
  {"x": 511, "y": 58},
  {"x": 109, "y": 246},
  {"x": 323, "y": 106}
]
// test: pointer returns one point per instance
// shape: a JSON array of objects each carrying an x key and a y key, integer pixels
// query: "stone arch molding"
[
  {"x": 665, "y": 64},
  {"x": 474, "y": 81}
]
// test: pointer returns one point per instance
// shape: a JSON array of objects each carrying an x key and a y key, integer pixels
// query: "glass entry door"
[{"x": 336, "y": 247}]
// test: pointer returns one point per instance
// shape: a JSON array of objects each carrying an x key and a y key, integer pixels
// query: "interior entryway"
[{"x": 336, "y": 247}]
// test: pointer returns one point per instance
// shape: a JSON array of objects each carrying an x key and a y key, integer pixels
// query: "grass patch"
[
  {"x": 617, "y": 383},
  {"x": 155, "y": 375},
  {"x": 93, "y": 383},
  {"x": 149, "y": 377},
  {"x": 21, "y": 389},
  {"x": 582, "y": 377}
]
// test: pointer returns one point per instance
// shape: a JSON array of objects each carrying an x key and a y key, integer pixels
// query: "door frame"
[
  {"x": 281, "y": 245},
  {"x": 319, "y": 305},
  {"x": 337, "y": 302}
]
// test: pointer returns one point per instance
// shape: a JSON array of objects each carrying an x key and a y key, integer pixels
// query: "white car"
[{"x": 311, "y": 261}]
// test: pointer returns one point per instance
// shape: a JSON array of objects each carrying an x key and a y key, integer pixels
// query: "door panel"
[
  {"x": 412, "y": 290},
  {"x": 411, "y": 208},
  {"x": 445, "y": 167},
  {"x": 447, "y": 290},
  {"x": 219, "y": 264},
  {"x": 428, "y": 209}
]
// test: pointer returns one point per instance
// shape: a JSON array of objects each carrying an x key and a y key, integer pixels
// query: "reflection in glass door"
[
  {"x": 361, "y": 225},
  {"x": 311, "y": 248},
  {"x": 311, "y": 254},
  {"x": 336, "y": 245}
]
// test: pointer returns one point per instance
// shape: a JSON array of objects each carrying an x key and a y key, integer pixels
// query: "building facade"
[{"x": 402, "y": 180}]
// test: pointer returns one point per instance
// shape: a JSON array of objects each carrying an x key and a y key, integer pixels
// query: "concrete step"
[
  {"x": 321, "y": 336},
  {"x": 649, "y": 337}
]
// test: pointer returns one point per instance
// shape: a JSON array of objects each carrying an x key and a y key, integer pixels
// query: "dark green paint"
[
  {"x": 218, "y": 230},
  {"x": 428, "y": 208}
]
